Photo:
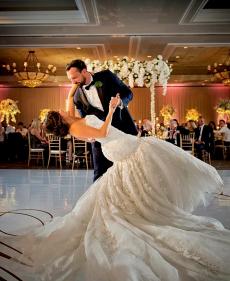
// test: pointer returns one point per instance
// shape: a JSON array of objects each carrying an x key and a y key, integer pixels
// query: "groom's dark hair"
[
  {"x": 54, "y": 123},
  {"x": 79, "y": 64}
]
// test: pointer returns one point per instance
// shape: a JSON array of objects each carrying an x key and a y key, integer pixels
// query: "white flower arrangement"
[
  {"x": 134, "y": 72},
  {"x": 8, "y": 110}
]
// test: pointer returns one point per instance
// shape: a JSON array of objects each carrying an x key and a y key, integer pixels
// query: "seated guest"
[
  {"x": 203, "y": 137},
  {"x": 2, "y": 133},
  {"x": 146, "y": 128},
  {"x": 16, "y": 147},
  {"x": 2, "y": 142},
  {"x": 162, "y": 131},
  {"x": 173, "y": 132},
  {"x": 23, "y": 141},
  {"x": 222, "y": 123},
  {"x": 37, "y": 141},
  {"x": 219, "y": 134},
  {"x": 189, "y": 127},
  {"x": 225, "y": 132},
  {"x": 212, "y": 124},
  {"x": 13, "y": 143},
  {"x": 36, "y": 138},
  {"x": 9, "y": 129},
  {"x": 22, "y": 130}
]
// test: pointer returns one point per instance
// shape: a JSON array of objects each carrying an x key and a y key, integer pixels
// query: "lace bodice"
[{"x": 116, "y": 145}]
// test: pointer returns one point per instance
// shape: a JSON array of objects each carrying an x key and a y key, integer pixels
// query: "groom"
[{"x": 92, "y": 97}]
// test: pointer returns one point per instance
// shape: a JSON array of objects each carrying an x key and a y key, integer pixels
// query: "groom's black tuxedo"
[{"x": 107, "y": 85}]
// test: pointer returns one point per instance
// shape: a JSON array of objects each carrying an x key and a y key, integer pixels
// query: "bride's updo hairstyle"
[{"x": 54, "y": 123}]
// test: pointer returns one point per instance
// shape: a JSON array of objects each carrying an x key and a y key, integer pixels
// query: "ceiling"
[{"x": 190, "y": 34}]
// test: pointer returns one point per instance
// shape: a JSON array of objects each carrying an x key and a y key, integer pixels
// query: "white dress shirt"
[
  {"x": 226, "y": 131},
  {"x": 92, "y": 96},
  {"x": 201, "y": 131}
]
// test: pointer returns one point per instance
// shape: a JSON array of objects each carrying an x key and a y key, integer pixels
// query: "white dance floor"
[{"x": 32, "y": 197}]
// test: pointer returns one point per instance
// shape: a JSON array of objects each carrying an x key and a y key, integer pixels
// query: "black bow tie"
[{"x": 90, "y": 84}]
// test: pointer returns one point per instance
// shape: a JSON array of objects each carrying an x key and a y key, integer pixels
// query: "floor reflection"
[{"x": 56, "y": 192}]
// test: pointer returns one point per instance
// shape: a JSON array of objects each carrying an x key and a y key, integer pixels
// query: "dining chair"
[
  {"x": 187, "y": 142},
  {"x": 55, "y": 150},
  {"x": 81, "y": 152},
  {"x": 34, "y": 153},
  {"x": 219, "y": 145}
]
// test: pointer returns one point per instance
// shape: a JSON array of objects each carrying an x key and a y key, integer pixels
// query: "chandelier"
[
  {"x": 221, "y": 71},
  {"x": 31, "y": 76}
]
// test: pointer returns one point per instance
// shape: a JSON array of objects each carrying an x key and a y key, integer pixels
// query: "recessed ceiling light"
[
  {"x": 177, "y": 57},
  {"x": 149, "y": 56},
  {"x": 185, "y": 47},
  {"x": 78, "y": 48}
]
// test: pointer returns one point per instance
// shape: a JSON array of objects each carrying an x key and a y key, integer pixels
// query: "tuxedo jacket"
[{"x": 108, "y": 85}]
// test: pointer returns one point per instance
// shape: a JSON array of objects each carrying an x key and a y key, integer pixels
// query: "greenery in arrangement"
[
  {"x": 8, "y": 110},
  {"x": 192, "y": 114},
  {"x": 223, "y": 107}
]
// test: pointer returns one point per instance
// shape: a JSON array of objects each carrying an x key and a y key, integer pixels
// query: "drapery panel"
[{"x": 203, "y": 98}]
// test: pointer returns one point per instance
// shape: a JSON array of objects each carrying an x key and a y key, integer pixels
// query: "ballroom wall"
[{"x": 203, "y": 98}]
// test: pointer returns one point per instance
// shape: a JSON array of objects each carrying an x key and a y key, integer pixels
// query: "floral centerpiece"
[
  {"x": 43, "y": 114},
  {"x": 8, "y": 110},
  {"x": 223, "y": 108},
  {"x": 167, "y": 111},
  {"x": 192, "y": 114}
]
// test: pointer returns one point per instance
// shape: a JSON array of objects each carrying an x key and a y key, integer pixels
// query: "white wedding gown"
[{"x": 134, "y": 223}]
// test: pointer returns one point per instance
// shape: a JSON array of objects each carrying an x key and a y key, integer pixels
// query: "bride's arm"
[{"x": 79, "y": 129}]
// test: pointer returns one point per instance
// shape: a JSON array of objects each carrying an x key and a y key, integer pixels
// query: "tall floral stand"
[{"x": 153, "y": 108}]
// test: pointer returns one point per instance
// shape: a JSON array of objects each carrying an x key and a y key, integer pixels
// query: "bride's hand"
[{"x": 114, "y": 102}]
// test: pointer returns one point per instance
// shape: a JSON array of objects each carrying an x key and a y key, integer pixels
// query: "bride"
[{"x": 135, "y": 223}]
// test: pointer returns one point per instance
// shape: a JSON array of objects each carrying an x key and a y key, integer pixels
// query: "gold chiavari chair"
[
  {"x": 80, "y": 151},
  {"x": 55, "y": 149},
  {"x": 219, "y": 145},
  {"x": 34, "y": 153},
  {"x": 187, "y": 142}
]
